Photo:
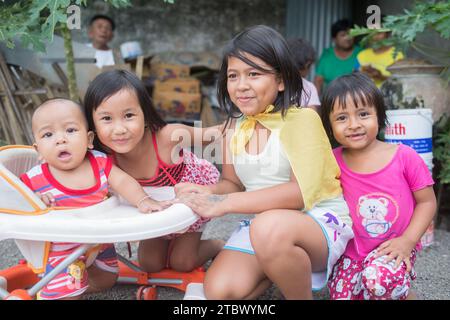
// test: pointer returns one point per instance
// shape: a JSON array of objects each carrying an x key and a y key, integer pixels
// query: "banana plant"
[{"x": 406, "y": 27}]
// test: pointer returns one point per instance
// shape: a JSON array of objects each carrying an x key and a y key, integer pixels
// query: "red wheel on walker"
[{"x": 147, "y": 293}]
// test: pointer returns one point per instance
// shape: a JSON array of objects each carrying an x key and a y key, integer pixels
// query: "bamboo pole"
[
  {"x": 4, "y": 124},
  {"x": 13, "y": 124},
  {"x": 13, "y": 120},
  {"x": 10, "y": 101}
]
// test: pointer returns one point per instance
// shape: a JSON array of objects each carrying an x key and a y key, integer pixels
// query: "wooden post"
[
  {"x": 11, "y": 109},
  {"x": 139, "y": 66}
]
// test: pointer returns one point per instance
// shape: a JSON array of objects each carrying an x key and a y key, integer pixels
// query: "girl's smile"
[
  {"x": 121, "y": 141},
  {"x": 244, "y": 100},
  {"x": 356, "y": 136}
]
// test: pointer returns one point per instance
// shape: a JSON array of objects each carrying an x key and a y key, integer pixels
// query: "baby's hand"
[
  {"x": 148, "y": 205},
  {"x": 185, "y": 188},
  {"x": 47, "y": 198}
]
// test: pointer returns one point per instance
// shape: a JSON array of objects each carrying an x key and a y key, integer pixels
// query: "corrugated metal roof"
[{"x": 312, "y": 20}]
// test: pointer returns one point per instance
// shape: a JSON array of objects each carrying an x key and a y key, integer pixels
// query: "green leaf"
[
  {"x": 57, "y": 15},
  {"x": 10, "y": 44},
  {"x": 443, "y": 27},
  {"x": 81, "y": 3},
  {"x": 35, "y": 40}
]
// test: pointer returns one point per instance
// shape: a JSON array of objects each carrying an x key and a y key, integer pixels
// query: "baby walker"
[{"x": 27, "y": 220}]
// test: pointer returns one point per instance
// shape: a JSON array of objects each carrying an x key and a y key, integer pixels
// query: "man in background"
[
  {"x": 101, "y": 32},
  {"x": 339, "y": 59}
]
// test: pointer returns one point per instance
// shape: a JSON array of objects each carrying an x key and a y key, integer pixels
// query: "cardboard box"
[
  {"x": 188, "y": 85},
  {"x": 172, "y": 104},
  {"x": 165, "y": 71}
]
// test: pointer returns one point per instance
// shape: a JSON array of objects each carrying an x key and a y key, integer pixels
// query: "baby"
[{"x": 74, "y": 175}]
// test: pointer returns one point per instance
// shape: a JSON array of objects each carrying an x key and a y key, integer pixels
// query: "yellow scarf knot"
[{"x": 242, "y": 135}]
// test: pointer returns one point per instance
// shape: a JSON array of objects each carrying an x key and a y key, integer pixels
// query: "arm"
[
  {"x": 131, "y": 190},
  {"x": 400, "y": 248},
  {"x": 283, "y": 196},
  {"x": 229, "y": 181},
  {"x": 423, "y": 214}
]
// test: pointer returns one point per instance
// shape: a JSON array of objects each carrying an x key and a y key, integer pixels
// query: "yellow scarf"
[
  {"x": 243, "y": 134},
  {"x": 307, "y": 147}
]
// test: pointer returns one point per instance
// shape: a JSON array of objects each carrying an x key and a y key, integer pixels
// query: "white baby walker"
[{"x": 27, "y": 220}]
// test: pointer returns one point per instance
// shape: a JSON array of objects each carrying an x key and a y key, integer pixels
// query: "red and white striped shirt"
[{"x": 39, "y": 179}]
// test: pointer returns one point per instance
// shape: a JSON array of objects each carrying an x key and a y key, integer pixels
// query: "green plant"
[
  {"x": 405, "y": 28},
  {"x": 442, "y": 149},
  {"x": 35, "y": 22}
]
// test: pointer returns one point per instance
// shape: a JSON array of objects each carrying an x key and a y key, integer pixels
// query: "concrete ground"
[{"x": 432, "y": 267}]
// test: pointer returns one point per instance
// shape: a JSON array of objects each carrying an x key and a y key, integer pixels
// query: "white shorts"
[{"x": 335, "y": 230}]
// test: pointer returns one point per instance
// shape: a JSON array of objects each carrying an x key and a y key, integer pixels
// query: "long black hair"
[
  {"x": 109, "y": 83},
  {"x": 268, "y": 45},
  {"x": 302, "y": 51},
  {"x": 358, "y": 87}
]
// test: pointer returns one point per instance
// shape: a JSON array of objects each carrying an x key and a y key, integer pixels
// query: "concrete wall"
[{"x": 187, "y": 25}]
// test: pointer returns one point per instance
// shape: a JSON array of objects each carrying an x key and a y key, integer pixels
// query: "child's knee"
[
  {"x": 220, "y": 288},
  {"x": 264, "y": 233},
  {"x": 182, "y": 263},
  {"x": 151, "y": 263},
  {"x": 216, "y": 290}
]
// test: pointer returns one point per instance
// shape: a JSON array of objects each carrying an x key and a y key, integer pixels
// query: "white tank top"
[
  {"x": 268, "y": 168},
  {"x": 271, "y": 167}
]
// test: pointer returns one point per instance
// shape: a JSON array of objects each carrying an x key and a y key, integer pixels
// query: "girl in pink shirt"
[{"x": 388, "y": 189}]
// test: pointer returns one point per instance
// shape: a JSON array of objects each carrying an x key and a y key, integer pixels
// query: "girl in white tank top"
[{"x": 280, "y": 168}]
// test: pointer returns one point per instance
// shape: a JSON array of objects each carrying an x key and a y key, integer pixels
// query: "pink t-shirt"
[{"x": 382, "y": 203}]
